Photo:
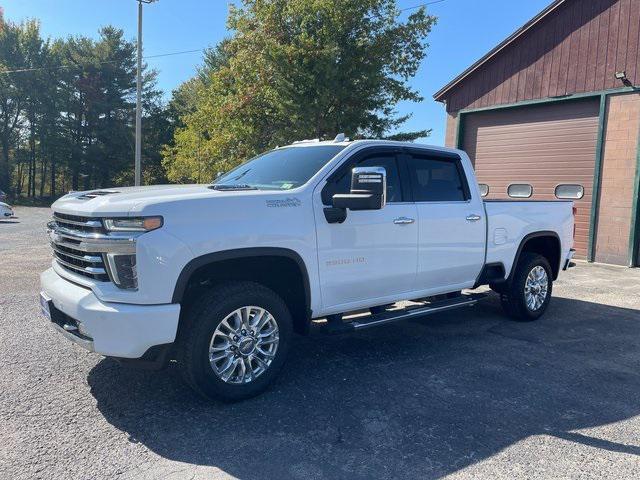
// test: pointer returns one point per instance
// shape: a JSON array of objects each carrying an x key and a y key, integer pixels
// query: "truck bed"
[{"x": 510, "y": 221}]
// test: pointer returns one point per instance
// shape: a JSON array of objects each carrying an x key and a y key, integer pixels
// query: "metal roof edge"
[{"x": 497, "y": 49}]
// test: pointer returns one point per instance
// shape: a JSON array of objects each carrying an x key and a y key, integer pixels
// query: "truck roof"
[{"x": 380, "y": 142}]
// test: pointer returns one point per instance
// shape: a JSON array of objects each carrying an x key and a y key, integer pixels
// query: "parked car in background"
[
  {"x": 219, "y": 276},
  {"x": 5, "y": 210}
]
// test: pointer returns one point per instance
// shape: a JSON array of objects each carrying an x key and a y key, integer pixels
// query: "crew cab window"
[
  {"x": 394, "y": 192},
  {"x": 437, "y": 179}
]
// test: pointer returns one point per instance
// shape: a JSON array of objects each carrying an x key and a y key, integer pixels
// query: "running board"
[{"x": 409, "y": 312}]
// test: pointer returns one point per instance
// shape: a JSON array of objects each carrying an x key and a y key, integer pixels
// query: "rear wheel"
[
  {"x": 234, "y": 341},
  {"x": 528, "y": 294}
]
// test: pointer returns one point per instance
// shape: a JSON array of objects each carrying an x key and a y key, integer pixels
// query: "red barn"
[{"x": 558, "y": 102}]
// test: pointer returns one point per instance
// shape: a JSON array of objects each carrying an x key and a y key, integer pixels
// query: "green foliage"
[
  {"x": 291, "y": 69},
  {"x": 297, "y": 69},
  {"x": 67, "y": 112}
]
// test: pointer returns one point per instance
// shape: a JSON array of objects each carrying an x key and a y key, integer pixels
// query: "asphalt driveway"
[{"x": 463, "y": 394}]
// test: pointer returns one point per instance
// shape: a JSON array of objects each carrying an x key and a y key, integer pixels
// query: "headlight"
[
  {"x": 122, "y": 270},
  {"x": 133, "y": 224}
]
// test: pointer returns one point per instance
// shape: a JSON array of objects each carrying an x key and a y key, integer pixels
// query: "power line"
[
  {"x": 106, "y": 62},
  {"x": 421, "y": 5},
  {"x": 178, "y": 53}
]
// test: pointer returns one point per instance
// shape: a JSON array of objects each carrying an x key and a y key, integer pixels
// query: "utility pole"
[{"x": 138, "y": 161}]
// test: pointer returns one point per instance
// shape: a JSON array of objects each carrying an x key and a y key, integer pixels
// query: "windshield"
[{"x": 280, "y": 169}]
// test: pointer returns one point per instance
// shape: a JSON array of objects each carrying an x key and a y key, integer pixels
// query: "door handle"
[
  {"x": 403, "y": 221},
  {"x": 473, "y": 217}
]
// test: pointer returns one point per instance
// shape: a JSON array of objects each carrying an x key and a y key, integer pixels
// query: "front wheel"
[
  {"x": 528, "y": 294},
  {"x": 234, "y": 341}
]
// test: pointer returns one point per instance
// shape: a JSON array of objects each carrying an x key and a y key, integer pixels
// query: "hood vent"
[
  {"x": 97, "y": 193},
  {"x": 227, "y": 187}
]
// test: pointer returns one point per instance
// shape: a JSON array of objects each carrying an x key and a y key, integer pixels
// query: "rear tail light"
[{"x": 574, "y": 210}]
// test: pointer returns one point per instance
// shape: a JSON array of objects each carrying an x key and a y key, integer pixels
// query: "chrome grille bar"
[
  {"x": 88, "y": 223},
  {"x": 92, "y": 242},
  {"x": 81, "y": 244},
  {"x": 87, "y": 270},
  {"x": 83, "y": 258}
]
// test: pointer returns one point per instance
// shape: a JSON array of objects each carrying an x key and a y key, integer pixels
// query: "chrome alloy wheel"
[
  {"x": 536, "y": 288},
  {"x": 244, "y": 345}
]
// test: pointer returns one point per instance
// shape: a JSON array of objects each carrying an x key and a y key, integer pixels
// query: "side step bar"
[{"x": 408, "y": 312}]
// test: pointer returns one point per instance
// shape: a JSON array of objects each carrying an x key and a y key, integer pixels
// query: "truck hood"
[{"x": 127, "y": 201}]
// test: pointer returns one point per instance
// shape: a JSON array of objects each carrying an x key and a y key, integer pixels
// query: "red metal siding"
[
  {"x": 543, "y": 145},
  {"x": 575, "y": 49}
]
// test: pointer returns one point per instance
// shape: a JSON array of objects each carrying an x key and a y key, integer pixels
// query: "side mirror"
[{"x": 368, "y": 190}]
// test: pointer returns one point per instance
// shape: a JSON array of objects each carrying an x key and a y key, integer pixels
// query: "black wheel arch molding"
[
  {"x": 236, "y": 254},
  {"x": 490, "y": 272},
  {"x": 555, "y": 266}
]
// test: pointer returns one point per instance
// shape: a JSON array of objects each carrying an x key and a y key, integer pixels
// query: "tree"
[
  {"x": 67, "y": 111},
  {"x": 33, "y": 52},
  {"x": 11, "y": 96},
  {"x": 300, "y": 69},
  {"x": 97, "y": 101}
]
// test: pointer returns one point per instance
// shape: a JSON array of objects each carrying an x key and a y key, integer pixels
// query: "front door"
[{"x": 371, "y": 257}]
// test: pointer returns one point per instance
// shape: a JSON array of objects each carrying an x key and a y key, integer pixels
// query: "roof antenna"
[{"x": 340, "y": 138}]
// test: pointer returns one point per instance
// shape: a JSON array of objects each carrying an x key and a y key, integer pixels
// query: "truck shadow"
[{"x": 418, "y": 399}]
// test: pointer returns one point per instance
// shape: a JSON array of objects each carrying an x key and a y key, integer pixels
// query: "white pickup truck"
[{"x": 218, "y": 277}]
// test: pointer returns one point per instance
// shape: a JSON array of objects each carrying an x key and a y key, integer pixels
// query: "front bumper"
[{"x": 110, "y": 329}]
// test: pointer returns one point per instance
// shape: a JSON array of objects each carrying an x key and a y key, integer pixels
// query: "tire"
[
  {"x": 204, "y": 328},
  {"x": 516, "y": 303}
]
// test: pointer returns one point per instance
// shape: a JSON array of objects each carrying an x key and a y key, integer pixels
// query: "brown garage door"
[{"x": 543, "y": 145}]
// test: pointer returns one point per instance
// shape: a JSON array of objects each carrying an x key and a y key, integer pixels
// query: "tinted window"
[
  {"x": 281, "y": 169},
  {"x": 436, "y": 180},
  {"x": 394, "y": 194}
]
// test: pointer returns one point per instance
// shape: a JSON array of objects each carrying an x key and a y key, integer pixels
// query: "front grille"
[
  {"x": 68, "y": 249},
  {"x": 83, "y": 246},
  {"x": 83, "y": 224},
  {"x": 89, "y": 265}
]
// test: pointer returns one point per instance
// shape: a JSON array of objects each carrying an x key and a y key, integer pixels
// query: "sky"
[{"x": 465, "y": 31}]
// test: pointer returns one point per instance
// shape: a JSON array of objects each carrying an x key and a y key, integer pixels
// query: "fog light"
[{"x": 122, "y": 270}]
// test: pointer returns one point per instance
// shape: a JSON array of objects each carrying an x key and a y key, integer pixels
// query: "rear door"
[
  {"x": 451, "y": 221},
  {"x": 372, "y": 255}
]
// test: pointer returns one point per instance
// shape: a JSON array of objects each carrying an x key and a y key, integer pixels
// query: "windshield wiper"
[
  {"x": 242, "y": 174},
  {"x": 230, "y": 186}
]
